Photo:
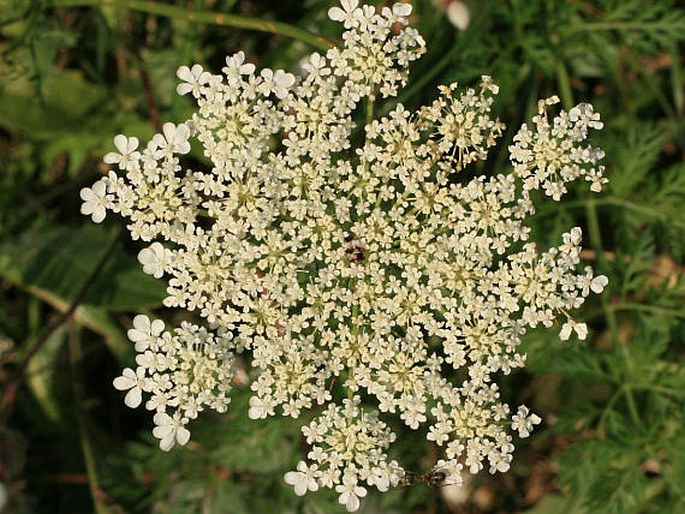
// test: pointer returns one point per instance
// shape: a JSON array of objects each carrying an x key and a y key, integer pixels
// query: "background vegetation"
[{"x": 75, "y": 73}]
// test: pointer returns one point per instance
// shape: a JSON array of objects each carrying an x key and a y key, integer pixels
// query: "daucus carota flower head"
[{"x": 376, "y": 267}]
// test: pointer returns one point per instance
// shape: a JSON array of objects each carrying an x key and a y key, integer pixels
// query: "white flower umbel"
[
  {"x": 378, "y": 267},
  {"x": 184, "y": 373}
]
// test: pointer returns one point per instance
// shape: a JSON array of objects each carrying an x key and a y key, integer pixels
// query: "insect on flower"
[
  {"x": 355, "y": 252},
  {"x": 436, "y": 477}
]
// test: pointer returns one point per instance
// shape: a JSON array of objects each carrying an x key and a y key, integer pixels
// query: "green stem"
[
  {"x": 677, "y": 83},
  {"x": 632, "y": 406},
  {"x": 564, "y": 85},
  {"x": 654, "y": 309},
  {"x": 607, "y": 408},
  {"x": 209, "y": 17},
  {"x": 595, "y": 234},
  {"x": 76, "y": 358},
  {"x": 651, "y": 211},
  {"x": 662, "y": 390},
  {"x": 609, "y": 26},
  {"x": 369, "y": 110}
]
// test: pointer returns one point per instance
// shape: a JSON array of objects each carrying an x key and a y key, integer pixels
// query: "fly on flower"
[
  {"x": 436, "y": 477},
  {"x": 355, "y": 252}
]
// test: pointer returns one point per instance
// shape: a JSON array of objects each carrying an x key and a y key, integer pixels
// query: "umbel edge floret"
[{"x": 373, "y": 270}]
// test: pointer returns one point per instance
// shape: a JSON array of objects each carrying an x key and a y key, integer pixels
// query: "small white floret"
[
  {"x": 599, "y": 283},
  {"x": 95, "y": 200},
  {"x": 174, "y": 139},
  {"x": 193, "y": 78},
  {"x": 350, "y": 492},
  {"x": 127, "y": 151},
  {"x": 346, "y": 14},
  {"x": 153, "y": 259},
  {"x": 170, "y": 431},
  {"x": 144, "y": 331},
  {"x": 524, "y": 420},
  {"x": 131, "y": 381},
  {"x": 304, "y": 479},
  {"x": 571, "y": 326}
]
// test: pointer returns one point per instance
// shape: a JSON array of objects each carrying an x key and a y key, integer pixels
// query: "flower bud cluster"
[{"x": 378, "y": 269}]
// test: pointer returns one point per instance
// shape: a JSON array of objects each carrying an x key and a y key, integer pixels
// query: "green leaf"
[
  {"x": 54, "y": 263},
  {"x": 556, "y": 504},
  {"x": 99, "y": 321},
  {"x": 67, "y": 99},
  {"x": 41, "y": 372}
]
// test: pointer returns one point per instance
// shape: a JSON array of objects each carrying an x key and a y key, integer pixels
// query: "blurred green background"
[{"x": 75, "y": 73}]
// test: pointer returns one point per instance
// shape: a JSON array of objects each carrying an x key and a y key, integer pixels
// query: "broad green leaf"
[
  {"x": 67, "y": 99},
  {"x": 54, "y": 262}
]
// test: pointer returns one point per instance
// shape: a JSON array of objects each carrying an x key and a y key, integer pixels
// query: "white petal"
[
  {"x": 134, "y": 397},
  {"x": 299, "y": 484},
  {"x": 137, "y": 336},
  {"x": 147, "y": 256},
  {"x": 336, "y": 14},
  {"x": 99, "y": 214},
  {"x": 121, "y": 143},
  {"x": 291, "y": 477},
  {"x": 599, "y": 283},
  {"x": 112, "y": 158},
  {"x": 301, "y": 488},
  {"x": 581, "y": 330},
  {"x": 181, "y": 134},
  {"x": 142, "y": 322},
  {"x": 247, "y": 69},
  {"x": 169, "y": 130},
  {"x": 349, "y": 5},
  {"x": 196, "y": 71},
  {"x": 184, "y": 88},
  {"x": 352, "y": 503},
  {"x": 565, "y": 332},
  {"x": 401, "y": 9},
  {"x": 131, "y": 145},
  {"x": 157, "y": 327},
  {"x": 182, "y": 435},
  {"x": 163, "y": 420},
  {"x": 124, "y": 382},
  {"x": 256, "y": 413},
  {"x": 87, "y": 195},
  {"x": 184, "y": 74},
  {"x": 167, "y": 443}
]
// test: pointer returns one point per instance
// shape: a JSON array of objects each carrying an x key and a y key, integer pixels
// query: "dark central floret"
[{"x": 355, "y": 252}]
